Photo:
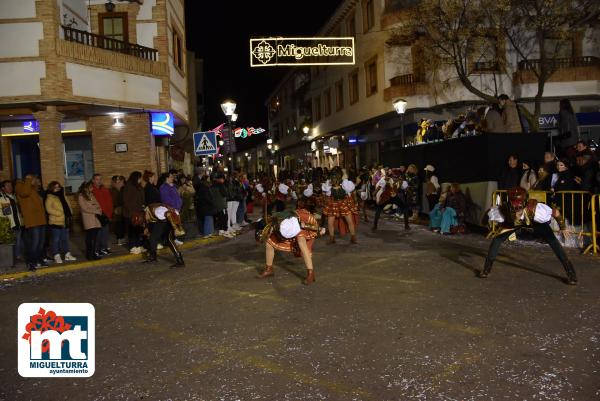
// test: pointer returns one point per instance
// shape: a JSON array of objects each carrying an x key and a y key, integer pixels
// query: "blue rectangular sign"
[
  {"x": 205, "y": 143},
  {"x": 162, "y": 124}
]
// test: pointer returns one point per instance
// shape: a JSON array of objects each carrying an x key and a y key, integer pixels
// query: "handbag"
[{"x": 103, "y": 219}]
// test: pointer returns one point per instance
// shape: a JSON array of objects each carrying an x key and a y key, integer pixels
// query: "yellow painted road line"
[{"x": 102, "y": 262}]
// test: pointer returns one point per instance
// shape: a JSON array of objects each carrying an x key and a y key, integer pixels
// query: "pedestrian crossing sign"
[{"x": 205, "y": 143}]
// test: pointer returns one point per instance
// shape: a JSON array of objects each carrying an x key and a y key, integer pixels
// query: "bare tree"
[{"x": 456, "y": 35}]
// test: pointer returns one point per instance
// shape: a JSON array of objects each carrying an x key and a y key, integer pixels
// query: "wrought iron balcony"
[
  {"x": 560, "y": 63},
  {"x": 102, "y": 42}
]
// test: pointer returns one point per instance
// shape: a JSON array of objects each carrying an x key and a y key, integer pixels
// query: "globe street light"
[
  {"x": 228, "y": 108},
  {"x": 400, "y": 107}
]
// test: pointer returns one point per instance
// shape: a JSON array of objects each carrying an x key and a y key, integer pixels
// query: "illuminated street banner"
[{"x": 269, "y": 52}]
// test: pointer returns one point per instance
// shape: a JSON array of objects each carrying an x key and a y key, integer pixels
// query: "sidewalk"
[{"x": 120, "y": 254}]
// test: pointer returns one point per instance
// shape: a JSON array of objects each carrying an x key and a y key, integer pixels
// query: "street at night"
[{"x": 401, "y": 315}]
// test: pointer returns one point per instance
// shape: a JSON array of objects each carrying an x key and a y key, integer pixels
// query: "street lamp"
[
  {"x": 228, "y": 108},
  {"x": 400, "y": 107},
  {"x": 306, "y": 129}
]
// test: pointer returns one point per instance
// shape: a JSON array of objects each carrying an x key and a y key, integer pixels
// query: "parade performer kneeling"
[
  {"x": 165, "y": 222},
  {"x": 290, "y": 232},
  {"x": 521, "y": 214}
]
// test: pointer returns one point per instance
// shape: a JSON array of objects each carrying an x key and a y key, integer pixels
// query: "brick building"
[{"x": 90, "y": 86}]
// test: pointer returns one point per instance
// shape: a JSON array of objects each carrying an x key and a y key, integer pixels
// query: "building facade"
[
  {"x": 353, "y": 119},
  {"x": 90, "y": 86}
]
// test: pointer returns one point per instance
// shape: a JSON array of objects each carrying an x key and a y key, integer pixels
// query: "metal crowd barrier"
[
  {"x": 593, "y": 247},
  {"x": 577, "y": 207}
]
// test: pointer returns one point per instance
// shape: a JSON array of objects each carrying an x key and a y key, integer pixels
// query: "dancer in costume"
[
  {"x": 340, "y": 208},
  {"x": 291, "y": 232},
  {"x": 165, "y": 222},
  {"x": 308, "y": 200},
  {"x": 521, "y": 214}
]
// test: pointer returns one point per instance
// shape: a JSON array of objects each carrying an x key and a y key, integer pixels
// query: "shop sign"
[
  {"x": 162, "y": 124},
  {"x": 268, "y": 52}
]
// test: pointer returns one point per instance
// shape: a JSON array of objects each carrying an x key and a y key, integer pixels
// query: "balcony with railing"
[
  {"x": 103, "y": 42},
  {"x": 406, "y": 85},
  {"x": 109, "y": 52},
  {"x": 565, "y": 69}
]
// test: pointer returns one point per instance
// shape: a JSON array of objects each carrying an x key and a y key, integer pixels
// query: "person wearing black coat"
[
  {"x": 511, "y": 175},
  {"x": 205, "y": 206}
]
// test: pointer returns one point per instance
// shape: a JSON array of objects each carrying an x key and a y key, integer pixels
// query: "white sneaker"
[
  {"x": 222, "y": 232},
  {"x": 236, "y": 227},
  {"x": 136, "y": 250},
  {"x": 159, "y": 246},
  {"x": 244, "y": 224},
  {"x": 57, "y": 259},
  {"x": 178, "y": 243},
  {"x": 69, "y": 257}
]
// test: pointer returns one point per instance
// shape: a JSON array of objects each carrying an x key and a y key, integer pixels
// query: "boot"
[
  {"x": 178, "y": 262},
  {"x": 571, "y": 276},
  {"x": 331, "y": 240},
  {"x": 353, "y": 240},
  {"x": 267, "y": 272},
  {"x": 487, "y": 267},
  {"x": 310, "y": 277},
  {"x": 151, "y": 258}
]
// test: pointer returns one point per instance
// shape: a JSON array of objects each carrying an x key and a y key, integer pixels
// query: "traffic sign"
[{"x": 205, "y": 143}]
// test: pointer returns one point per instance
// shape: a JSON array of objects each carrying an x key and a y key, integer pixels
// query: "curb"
[{"x": 102, "y": 262}]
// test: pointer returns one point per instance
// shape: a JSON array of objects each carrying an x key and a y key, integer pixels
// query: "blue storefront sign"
[
  {"x": 31, "y": 126},
  {"x": 549, "y": 121},
  {"x": 162, "y": 124}
]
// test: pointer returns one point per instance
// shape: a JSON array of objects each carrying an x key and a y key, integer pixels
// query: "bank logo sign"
[
  {"x": 56, "y": 340},
  {"x": 268, "y": 52}
]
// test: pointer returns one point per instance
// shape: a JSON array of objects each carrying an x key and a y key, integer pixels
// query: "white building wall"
[
  {"x": 179, "y": 103},
  {"x": 146, "y": 10},
  {"x": 113, "y": 85},
  {"x": 21, "y": 78},
  {"x": 20, "y": 39},
  {"x": 10, "y": 9},
  {"x": 146, "y": 32}
]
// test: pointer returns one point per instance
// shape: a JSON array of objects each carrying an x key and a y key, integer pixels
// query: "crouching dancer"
[
  {"x": 165, "y": 222},
  {"x": 519, "y": 215},
  {"x": 291, "y": 232}
]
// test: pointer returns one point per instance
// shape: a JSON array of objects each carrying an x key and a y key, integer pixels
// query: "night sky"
[{"x": 219, "y": 32}]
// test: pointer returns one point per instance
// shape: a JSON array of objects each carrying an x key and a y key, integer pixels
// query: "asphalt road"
[{"x": 400, "y": 316}]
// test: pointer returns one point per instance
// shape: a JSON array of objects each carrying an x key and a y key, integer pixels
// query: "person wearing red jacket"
[{"x": 104, "y": 198}]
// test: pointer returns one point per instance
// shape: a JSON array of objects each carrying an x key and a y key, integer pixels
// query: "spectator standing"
[
  {"x": 585, "y": 172},
  {"x": 528, "y": 177},
  {"x": 568, "y": 128},
  {"x": 511, "y": 175},
  {"x": 219, "y": 195},
  {"x": 59, "y": 220},
  {"x": 34, "y": 220},
  {"x": 9, "y": 208},
  {"x": 186, "y": 192},
  {"x": 233, "y": 197},
  {"x": 116, "y": 194},
  {"x": 412, "y": 193},
  {"x": 151, "y": 191},
  {"x": 205, "y": 207},
  {"x": 90, "y": 209},
  {"x": 104, "y": 199},
  {"x": 169, "y": 194},
  {"x": 493, "y": 122},
  {"x": 133, "y": 209},
  {"x": 432, "y": 186},
  {"x": 510, "y": 115}
]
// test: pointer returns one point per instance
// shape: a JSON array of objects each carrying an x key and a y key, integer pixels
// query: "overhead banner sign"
[
  {"x": 244, "y": 133},
  {"x": 269, "y": 52}
]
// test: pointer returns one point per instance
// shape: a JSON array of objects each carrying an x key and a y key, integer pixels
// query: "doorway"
[{"x": 25, "y": 156}]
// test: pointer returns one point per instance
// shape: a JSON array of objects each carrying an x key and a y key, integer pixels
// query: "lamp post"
[
  {"x": 228, "y": 108},
  {"x": 400, "y": 107}
]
